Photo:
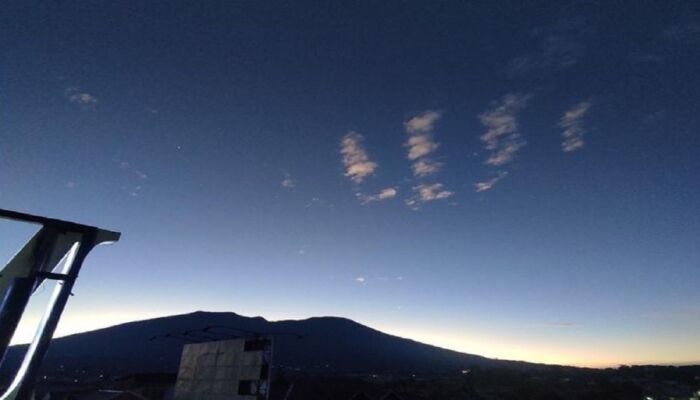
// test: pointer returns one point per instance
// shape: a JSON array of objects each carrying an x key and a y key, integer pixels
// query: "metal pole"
[
  {"x": 20, "y": 291},
  {"x": 11, "y": 310},
  {"x": 53, "y": 315}
]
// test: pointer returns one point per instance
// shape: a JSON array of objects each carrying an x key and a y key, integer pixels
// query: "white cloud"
[
  {"x": 506, "y": 151},
  {"x": 288, "y": 181},
  {"x": 502, "y": 136},
  {"x": 490, "y": 183},
  {"x": 420, "y": 130},
  {"x": 358, "y": 166},
  {"x": 572, "y": 122},
  {"x": 422, "y": 123},
  {"x": 425, "y": 193},
  {"x": 387, "y": 193},
  {"x": 360, "y": 279},
  {"x": 384, "y": 194},
  {"x": 425, "y": 167},
  {"x": 430, "y": 192},
  {"x": 420, "y": 145},
  {"x": 83, "y": 99}
]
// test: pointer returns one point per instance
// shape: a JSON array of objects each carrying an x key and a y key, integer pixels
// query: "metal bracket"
[{"x": 56, "y": 252}]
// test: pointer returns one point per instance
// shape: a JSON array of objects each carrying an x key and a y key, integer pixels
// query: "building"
[{"x": 236, "y": 369}]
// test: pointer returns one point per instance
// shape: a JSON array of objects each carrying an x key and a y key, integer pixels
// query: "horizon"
[
  {"x": 513, "y": 180},
  {"x": 60, "y": 334}
]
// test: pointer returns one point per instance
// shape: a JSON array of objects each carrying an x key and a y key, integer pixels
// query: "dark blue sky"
[{"x": 509, "y": 180}]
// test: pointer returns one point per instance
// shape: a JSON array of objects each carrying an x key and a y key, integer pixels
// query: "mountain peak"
[{"x": 317, "y": 343}]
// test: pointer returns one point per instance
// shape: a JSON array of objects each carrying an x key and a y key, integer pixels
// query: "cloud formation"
[
  {"x": 560, "y": 45},
  {"x": 357, "y": 164},
  {"x": 83, "y": 99},
  {"x": 555, "y": 51},
  {"x": 572, "y": 122},
  {"x": 125, "y": 165},
  {"x": 425, "y": 167},
  {"x": 489, "y": 183},
  {"x": 423, "y": 123},
  {"x": 502, "y": 136},
  {"x": 420, "y": 134},
  {"x": 288, "y": 181},
  {"x": 427, "y": 192},
  {"x": 433, "y": 191},
  {"x": 421, "y": 144},
  {"x": 384, "y": 194}
]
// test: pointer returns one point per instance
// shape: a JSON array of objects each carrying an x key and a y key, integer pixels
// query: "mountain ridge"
[{"x": 328, "y": 344}]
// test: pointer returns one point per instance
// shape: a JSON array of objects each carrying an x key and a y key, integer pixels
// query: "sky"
[{"x": 513, "y": 180}]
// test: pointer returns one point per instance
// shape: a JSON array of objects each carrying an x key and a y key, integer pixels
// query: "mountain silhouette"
[{"x": 321, "y": 344}]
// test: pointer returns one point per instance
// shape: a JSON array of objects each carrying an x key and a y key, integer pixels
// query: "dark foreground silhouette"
[{"x": 335, "y": 357}]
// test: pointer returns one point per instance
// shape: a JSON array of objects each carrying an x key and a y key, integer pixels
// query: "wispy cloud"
[
  {"x": 125, "y": 165},
  {"x": 420, "y": 130},
  {"x": 384, "y": 194},
  {"x": 357, "y": 164},
  {"x": 425, "y": 167},
  {"x": 555, "y": 51},
  {"x": 688, "y": 32},
  {"x": 489, "y": 183},
  {"x": 318, "y": 202},
  {"x": 560, "y": 45},
  {"x": 361, "y": 280},
  {"x": 506, "y": 151},
  {"x": 83, "y": 99},
  {"x": 668, "y": 42},
  {"x": 421, "y": 144},
  {"x": 288, "y": 181},
  {"x": 427, "y": 192},
  {"x": 502, "y": 137},
  {"x": 423, "y": 123},
  {"x": 574, "y": 129},
  {"x": 433, "y": 191}
]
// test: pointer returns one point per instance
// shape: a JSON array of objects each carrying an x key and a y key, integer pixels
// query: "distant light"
[{"x": 466, "y": 371}]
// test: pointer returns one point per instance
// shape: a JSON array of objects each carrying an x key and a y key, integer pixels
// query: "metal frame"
[{"x": 36, "y": 262}]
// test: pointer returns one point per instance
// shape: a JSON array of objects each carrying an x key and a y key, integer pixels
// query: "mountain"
[{"x": 323, "y": 344}]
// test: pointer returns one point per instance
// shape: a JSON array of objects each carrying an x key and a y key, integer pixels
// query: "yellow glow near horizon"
[
  {"x": 507, "y": 348},
  {"x": 504, "y": 348},
  {"x": 77, "y": 323}
]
